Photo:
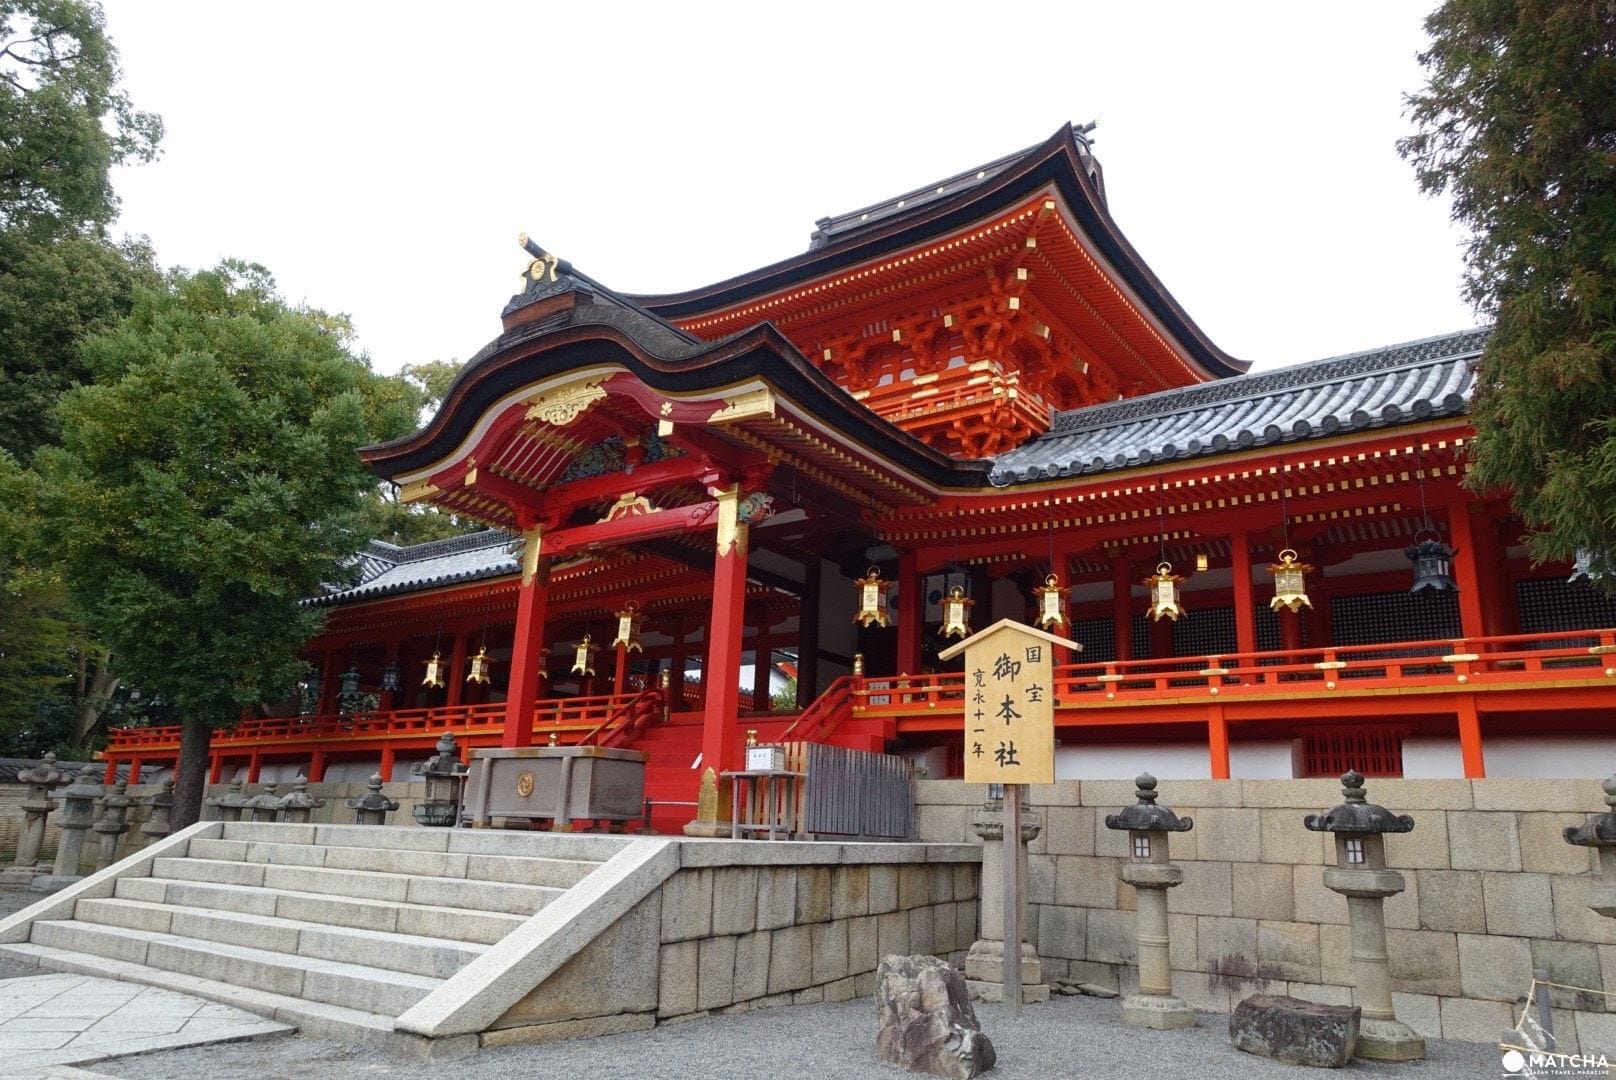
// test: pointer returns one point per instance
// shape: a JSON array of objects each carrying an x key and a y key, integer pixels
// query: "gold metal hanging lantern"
[
  {"x": 872, "y": 607},
  {"x": 1290, "y": 583},
  {"x": 583, "y": 657},
  {"x": 481, "y": 665},
  {"x": 434, "y": 671},
  {"x": 1051, "y": 603},
  {"x": 1165, "y": 596},
  {"x": 628, "y": 629},
  {"x": 957, "y": 613}
]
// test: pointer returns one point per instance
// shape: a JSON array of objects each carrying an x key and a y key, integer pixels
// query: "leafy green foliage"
[
  {"x": 206, "y": 482},
  {"x": 1518, "y": 124},
  {"x": 64, "y": 121},
  {"x": 420, "y": 388}
]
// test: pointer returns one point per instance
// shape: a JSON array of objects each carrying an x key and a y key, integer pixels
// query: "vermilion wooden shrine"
[{"x": 976, "y": 390}]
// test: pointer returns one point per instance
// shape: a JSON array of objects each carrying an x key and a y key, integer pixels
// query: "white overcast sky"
[{"x": 381, "y": 158}]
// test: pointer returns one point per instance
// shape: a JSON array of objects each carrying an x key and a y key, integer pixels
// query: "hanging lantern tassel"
[
  {"x": 628, "y": 629},
  {"x": 1433, "y": 563},
  {"x": 957, "y": 613},
  {"x": 1290, "y": 583},
  {"x": 583, "y": 659},
  {"x": 1051, "y": 603},
  {"x": 872, "y": 608},
  {"x": 480, "y": 665},
  {"x": 1164, "y": 594},
  {"x": 434, "y": 671}
]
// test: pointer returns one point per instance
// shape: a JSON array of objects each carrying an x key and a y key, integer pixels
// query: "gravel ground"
[{"x": 1076, "y": 1038}]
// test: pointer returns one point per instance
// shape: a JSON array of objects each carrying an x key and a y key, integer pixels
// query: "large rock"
[
  {"x": 1294, "y": 1031},
  {"x": 927, "y": 1023}
]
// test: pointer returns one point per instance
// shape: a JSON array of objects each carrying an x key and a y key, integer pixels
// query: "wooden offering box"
[{"x": 554, "y": 783}]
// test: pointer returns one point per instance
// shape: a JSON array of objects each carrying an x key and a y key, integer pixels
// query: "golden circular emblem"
[{"x": 524, "y": 784}]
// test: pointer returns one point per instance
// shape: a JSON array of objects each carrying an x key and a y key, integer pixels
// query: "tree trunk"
[
  {"x": 191, "y": 777},
  {"x": 94, "y": 693}
]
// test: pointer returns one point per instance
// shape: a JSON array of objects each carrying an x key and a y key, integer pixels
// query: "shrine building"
[{"x": 768, "y": 503}]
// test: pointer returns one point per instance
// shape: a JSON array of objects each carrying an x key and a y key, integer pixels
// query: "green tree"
[
  {"x": 64, "y": 120},
  {"x": 423, "y": 387},
  {"x": 207, "y": 481},
  {"x": 1518, "y": 124}
]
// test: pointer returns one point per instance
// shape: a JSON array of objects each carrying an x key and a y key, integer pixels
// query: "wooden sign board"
[{"x": 1009, "y": 703}]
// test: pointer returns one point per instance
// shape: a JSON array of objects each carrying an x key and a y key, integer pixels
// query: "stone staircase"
[{"x": 338, "y": 929}]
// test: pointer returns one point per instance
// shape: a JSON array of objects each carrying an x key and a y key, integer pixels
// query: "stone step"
[
  {"x": 522, "y": 843},
  {"x": 365, "y": 884},
  {"x": 353, "y": 986},
  {"x": 522, "y": 870},
  {"x": 455, "y": 923},
  {"x": 416, "y": 955},
  {"x": 316, "y": 1018}
]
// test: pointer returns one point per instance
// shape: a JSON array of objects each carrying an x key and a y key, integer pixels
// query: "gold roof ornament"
[
  {"x": 1290, "y": 583},
  {"x": 1165, "y": 596}
]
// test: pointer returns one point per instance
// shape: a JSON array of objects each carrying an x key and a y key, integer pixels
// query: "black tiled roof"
[
  {"x": 387, "y": 568},
  {"x": 1381, "y": 388}
]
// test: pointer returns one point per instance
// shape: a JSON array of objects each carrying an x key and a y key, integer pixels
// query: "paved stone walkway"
[{"x": 50, "y": 1020}]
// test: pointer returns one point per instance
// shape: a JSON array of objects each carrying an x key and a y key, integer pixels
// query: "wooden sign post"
[{"x": 1010, "y": 740}]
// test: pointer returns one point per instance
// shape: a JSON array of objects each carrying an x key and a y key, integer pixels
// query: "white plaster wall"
[
  {"x": 1553, "y": 757},
  {"x": 1431, "y": 758},
  {"x": 1262, "y": 759},
  {"x": 1124, "y": 761}
]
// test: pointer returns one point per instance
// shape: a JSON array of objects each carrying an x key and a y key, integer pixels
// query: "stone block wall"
[
  {"x": 1493, "y": 893},
  {"x": 766, "y": 924}
]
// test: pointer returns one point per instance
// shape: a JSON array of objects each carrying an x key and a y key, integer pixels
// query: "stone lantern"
[
  {"x": 444, "y": 774},
  {"x": 984, "y": 964},
  {"x": 1149, "y": 871},
  {"x": 160, "y": 818},
  {"x": 1361, "y": 876},
  {"x": 228, "y": 807},
  {"x": 265, "y": 807},
  {"x": 299, "y": 806},
  {"x": 372, "y": 807},
  {"x": 36, "y": 807},
  {"x": 78, "y": 814},
  {"x": 1599, "y": 832},
  {"x": 113, "y": 823}
]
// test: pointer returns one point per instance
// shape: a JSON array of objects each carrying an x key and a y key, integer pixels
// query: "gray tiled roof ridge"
[
  {"x": 1306, "y": 375},
  {"x": 432, "y": 549}
]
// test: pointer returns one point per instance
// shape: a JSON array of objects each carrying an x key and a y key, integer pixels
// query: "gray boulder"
[
  {"x": 927, "y": 1024},
  {"x": 1294, "y": 1031}
]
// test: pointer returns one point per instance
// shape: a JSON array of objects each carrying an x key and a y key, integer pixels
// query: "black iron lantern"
[
  {"x": 392, "y": 678},
  {"x": 350, "y": 697},
  {"x": 1433, "y": 562}
]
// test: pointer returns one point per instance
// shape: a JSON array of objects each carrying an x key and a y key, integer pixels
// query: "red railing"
[
  {"x": 560, "y": 715},
  {"x": 1516, "y": 660},
  {"x": 628, "y": 719},
  {"x": 826, "y": 713}
]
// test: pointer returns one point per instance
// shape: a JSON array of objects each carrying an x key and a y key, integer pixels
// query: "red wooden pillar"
[
  {"x": 135, "y": 765},
  {"x": 316, "y": 771},
  {"x": 255, "y": 765},
  {"x": 528, "y": 649},
  {"x": 110, "y": 775},
  {"x": 1469, "y": 717},
  {"x": 386, "y": 768},
  {"x": 1245, "y": 599},
  {"x": 330, "y": 678},
  {"x": 1217, "y": 742},
  {"x": 721, "y": 672},
  {"x": 1122, "y": 607},
  {"x": 620, "y": 673},
  {"x": 1497, "y": 606},
  {"x": 215, "y": 767},
  {"x": 457, "y": 668},
  {"x": 1472, "y": 623},
  {"x": 911, "y": 613}
]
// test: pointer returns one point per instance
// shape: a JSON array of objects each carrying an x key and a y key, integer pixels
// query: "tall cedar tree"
[
  {"x": 1518, "y": 124},
  {"x": 208, "y": 481}
]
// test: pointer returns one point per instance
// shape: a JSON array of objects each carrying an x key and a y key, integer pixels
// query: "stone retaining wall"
[
  {"x": 1493, "y": 893},
  {"x": 766, "y": 924}
]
